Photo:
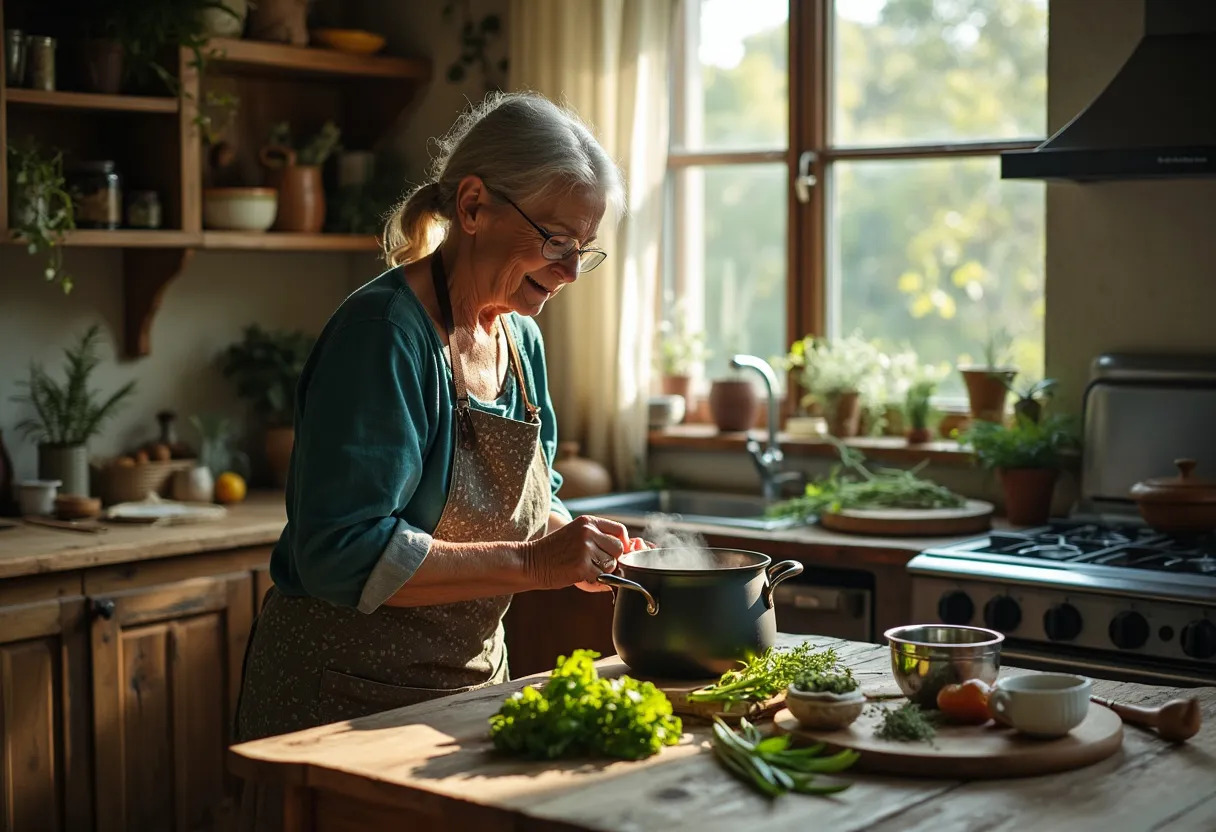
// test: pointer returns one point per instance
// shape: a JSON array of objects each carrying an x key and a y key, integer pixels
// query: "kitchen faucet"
[{"x": 768, "y": 461}]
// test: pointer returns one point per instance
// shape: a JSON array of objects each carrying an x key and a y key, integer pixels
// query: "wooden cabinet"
[{"x": 44, "y": 732}]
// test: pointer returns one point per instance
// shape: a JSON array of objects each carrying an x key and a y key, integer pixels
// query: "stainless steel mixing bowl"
[{"x": 927, "y": 657}]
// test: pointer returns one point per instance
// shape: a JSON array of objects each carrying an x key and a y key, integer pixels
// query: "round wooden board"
[
  {"x": 969, "y": 752},
  {"x": 974, "y": 517}
]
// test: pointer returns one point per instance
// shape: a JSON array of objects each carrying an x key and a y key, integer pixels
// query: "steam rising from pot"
[{"x": 682, "y": 550}]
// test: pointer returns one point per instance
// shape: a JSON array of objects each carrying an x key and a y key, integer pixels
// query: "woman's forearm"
[{"x": 464, "y": 571}]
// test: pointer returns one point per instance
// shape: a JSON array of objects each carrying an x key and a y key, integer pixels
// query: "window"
[{"x": 899, "y": 110}]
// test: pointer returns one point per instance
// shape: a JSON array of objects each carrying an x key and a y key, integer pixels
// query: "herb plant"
[
  {"x": 771, "y": 766},
  {"x": 316, "y": 149},
  {"x": 766, "y": 675},
  {"x": 266, "y": 367},
  {"x": 1025, "y": 443},
  {"x": 851, "y": 485},
  {"x": 69, "y": 413},
  {"x": 42, "y": 207},
  {"x": 579, "y": 714},
  {"x": 826, "y": 682},
  {"x": 680, "y": 348},
  {"x": 831, "y": 367},
  {"x": 907, "y": 723},
  {"x": 1030, "y": 398},
  {"x": 918, "y": 403}
]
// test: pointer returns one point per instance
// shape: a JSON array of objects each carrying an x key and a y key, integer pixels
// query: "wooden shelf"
[
  {"x": 91, "y": 101},
  {"x": 125, "y": 238},
  {"x": 264, "y": 58},
  {"x": 286, "y": 241}
]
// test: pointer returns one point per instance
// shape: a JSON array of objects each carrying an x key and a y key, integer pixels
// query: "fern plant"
[{"x": 69, "y": 413}]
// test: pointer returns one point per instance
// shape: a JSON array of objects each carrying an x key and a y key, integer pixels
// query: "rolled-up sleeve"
[{"x": 360, "y": 437}]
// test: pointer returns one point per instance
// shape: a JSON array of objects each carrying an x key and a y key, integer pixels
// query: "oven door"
[{"x": 1100, "y": 666}]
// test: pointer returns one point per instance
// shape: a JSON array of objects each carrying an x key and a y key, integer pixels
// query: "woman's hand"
[{"x": 578, "y": 553}]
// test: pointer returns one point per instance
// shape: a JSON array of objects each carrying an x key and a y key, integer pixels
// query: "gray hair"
[{"x": 524, "y": 145}]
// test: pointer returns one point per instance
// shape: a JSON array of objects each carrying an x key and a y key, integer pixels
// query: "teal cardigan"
[{"x": 374, "y": 432}]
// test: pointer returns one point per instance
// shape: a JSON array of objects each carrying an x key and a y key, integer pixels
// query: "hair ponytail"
[{"x": 411, "y": 231}]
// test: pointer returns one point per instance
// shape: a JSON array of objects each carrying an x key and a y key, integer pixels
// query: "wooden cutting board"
[
  {"x": 972, "y": 518},
  {"x": 969, "y": 752}
]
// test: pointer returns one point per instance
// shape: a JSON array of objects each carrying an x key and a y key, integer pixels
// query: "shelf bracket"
[{"x": 145, "y": 275}]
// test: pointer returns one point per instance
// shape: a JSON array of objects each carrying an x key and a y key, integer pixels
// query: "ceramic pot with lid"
[
  {"x": 694, "y": 614},
  {"x": 1184, "y": 504}
]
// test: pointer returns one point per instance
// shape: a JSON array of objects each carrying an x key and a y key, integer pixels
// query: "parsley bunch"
[{"x": 579, "y": 714}]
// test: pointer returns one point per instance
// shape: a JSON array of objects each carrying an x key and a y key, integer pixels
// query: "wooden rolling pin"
[{"x": 1176, "y": 721}]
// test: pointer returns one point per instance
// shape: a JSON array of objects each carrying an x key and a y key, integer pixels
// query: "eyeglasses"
[{"x": 559, "y": 246}]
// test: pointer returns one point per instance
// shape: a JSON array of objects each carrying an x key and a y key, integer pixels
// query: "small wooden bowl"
[
  {"x": 76, "y": 507},
  {"x": 824, "y": 711}
]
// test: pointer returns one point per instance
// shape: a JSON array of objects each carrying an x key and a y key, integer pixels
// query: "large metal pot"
[
  {"x": 688, "y": 614},
  {"x": 1184, "y": 504}
]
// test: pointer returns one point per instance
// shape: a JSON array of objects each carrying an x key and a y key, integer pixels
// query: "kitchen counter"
[
  {"x": 28, "y": 549},
  {"x": 431, "y": 764}
]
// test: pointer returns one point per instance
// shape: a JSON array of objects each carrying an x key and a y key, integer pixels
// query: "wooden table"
[{"x": 428, "y": 767}]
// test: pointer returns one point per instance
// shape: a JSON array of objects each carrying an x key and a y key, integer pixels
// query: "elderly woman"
[{"x": 421, "y": 493}]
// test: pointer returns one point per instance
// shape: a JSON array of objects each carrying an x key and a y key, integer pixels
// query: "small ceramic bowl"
[
  {"x": 240, "y": 209},
  {"x": 665, "y": 411},
  {"x": 824, "y": 711},
  {"x": 36, "y": 498},
  {"x": 356, "y": 41}
]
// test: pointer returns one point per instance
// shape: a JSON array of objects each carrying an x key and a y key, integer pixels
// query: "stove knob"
[
  {"x": 1062, "y": 622},
  {"x": 955, "y": 608},
  {"x": 1199, "y": 639},
  {"x": 1128, "y": 630},
  {"x": 1002, "y": 613}
]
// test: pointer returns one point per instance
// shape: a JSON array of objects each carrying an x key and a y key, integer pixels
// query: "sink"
[{"x": 741, "y": 511}]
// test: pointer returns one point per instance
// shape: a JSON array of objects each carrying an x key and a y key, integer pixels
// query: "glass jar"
[
  {"x": 97, "y": 193},
  {"x": 40, "y": 62},
  {"x": 143, "y": 210}
]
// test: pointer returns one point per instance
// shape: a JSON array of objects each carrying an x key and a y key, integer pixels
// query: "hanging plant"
[
  {"x": 41, "y": 206},
  {"x": 476, "y": 37}
]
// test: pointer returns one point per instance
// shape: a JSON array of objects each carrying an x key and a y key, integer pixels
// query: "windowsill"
[{"x": 892, "y": 449}]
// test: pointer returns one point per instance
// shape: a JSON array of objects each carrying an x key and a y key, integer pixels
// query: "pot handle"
[
  {"x": 277, "y": 156},
  {"x": 777, "y": 573},
  {"x": 617, "y": 582}
]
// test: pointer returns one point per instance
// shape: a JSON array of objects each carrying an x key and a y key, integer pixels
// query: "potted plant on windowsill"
[
  {"x": 918, "y": 407},
  {"x": 1027, "y": 455},
  {"x": 265, "y": 367},
  {"x": 988, "y": 383},
  {"x": 67, "y": 416},
  {"x": 833, "y": 373},
  {"x": 680, "y": 351},
  {"x": 1032, "y": 398}
]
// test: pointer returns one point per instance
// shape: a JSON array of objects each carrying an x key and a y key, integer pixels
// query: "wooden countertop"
[
  {"x": 435, "y": 758},
  {"x": 28, "y": 549}
]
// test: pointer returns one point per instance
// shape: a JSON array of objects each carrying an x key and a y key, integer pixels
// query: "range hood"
[{"x": 1157, "y": 116}]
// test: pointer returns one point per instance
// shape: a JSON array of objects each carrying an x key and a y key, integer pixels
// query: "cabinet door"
[
  {"x": 44, "y": 760},
  {"x": 166, "y": 674}
]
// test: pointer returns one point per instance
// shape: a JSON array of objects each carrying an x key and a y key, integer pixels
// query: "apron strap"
[
  {"x": 532, "y": 410},
  {"x": 464, "y": 420}
]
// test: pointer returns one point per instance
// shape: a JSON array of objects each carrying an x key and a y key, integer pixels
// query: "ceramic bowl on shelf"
[
  {"x": 356, "y": 41},
  {"x": 240, "y": 209},
  {"x": 665, "y": 411},
  {"x": 824, "y": 711}
]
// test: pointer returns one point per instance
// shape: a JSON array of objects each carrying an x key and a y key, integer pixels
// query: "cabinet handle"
[{"x": 103, "y": 608}]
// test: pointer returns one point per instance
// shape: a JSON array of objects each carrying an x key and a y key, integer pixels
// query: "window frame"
[{"x": 809, "y": 152}]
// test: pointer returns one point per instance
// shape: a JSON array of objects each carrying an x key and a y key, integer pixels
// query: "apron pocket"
[{"x": 344, "y": 696}]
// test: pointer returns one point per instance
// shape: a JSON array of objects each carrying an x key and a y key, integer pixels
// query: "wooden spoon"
[{"x": 1176, "y": 721}]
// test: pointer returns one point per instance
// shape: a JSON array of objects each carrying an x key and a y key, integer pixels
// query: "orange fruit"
[{"x": 229, "y": 488}]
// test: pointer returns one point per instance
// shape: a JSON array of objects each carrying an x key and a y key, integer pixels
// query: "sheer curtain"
[{"x": 608, "y": 60}]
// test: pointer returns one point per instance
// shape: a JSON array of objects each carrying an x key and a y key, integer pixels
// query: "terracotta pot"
[
  {"x": 1184, "y": 504},
  {"x": 951, "y": 422},
  {"x": 1028, "y": 493},
  {"x": 919, "y": 436},
  {"x": 677, "y": 386},
  {"x": 581, "y": 477},
  {"x": 733, "y": 404},
  {"x": 844, "y": 414},
  {"x": 101, "y": 66},
  {"x": 987, "y": 392},
  {"x": 282, "y": 21},
  {"x": 278, "y": 453},
  {"x": 301, "y": 206}
]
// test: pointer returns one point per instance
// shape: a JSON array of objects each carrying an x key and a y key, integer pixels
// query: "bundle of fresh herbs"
[
  {"x": 852, "y": 485},
  {"x": 579, "y": 714},
  {"x": 766, "y": 675},
  {"x": 907, "y": 723},
  {"x": 774, "y": 768}
]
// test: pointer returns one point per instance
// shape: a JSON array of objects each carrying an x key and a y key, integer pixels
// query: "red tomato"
[{"x": 966, "y": 703}]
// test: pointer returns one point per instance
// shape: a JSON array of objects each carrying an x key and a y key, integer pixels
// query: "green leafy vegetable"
[
  {"x": 764, "y": 676},
  {"x": 907, "y": 723},
  {"x": 818, "y": 682},
  {"x": 577, "y": 714},
  {"x": 1025, "y": 443},
  {"x": 771, "y": 766},
  {"x": 852, "y": 485}
]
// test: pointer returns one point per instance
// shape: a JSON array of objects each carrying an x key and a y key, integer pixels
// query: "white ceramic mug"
[
  {"x": 1042, "y": 704},
  {"x": 36, "y": 498}
]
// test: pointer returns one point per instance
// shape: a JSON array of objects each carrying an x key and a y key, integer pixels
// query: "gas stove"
[{"x": 1099, "y": 591}]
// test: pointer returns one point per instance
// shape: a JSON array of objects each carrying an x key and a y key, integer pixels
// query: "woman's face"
[{"x": 510, "y": 267}]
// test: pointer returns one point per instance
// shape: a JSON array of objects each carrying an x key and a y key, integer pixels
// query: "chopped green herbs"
[
  {"x": 764, "y": 676},
  {"x": 907, "y": 723},
  {"x": 771, "y": 766},
  {"x": 819, "y": 682},
  {"x": 577, "y": 714}
]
